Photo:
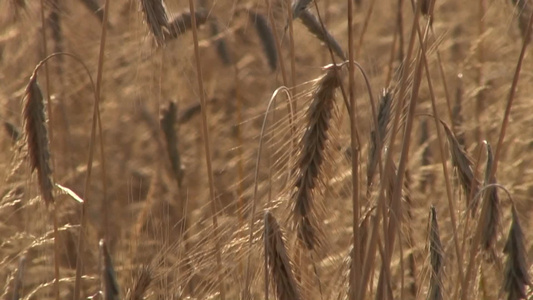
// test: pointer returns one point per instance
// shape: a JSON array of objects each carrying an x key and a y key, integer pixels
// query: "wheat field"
[{"x": 225, "y": 149}]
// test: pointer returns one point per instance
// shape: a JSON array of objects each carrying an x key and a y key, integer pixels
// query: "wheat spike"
[
  {"x": 110, "y": 289},
  {"x": 436, "y": 257},
  {"x": 312, "y": 156},
  {"x": 464, "y": 167},
  {"x": 313, "y": 25},
  {"x": 267, "y": 38},
  {"x": 141, "y": 284},
  {"x": 183, "y": 22},
  {"x": 375, "y": 147},
  {"x": 516, "y": 276},
  {"x": 491, "y": 206},
  {"x": 36, "y": 136},
  {"x": 279, "y": 264},
  {"x": 156, "y": 17}
]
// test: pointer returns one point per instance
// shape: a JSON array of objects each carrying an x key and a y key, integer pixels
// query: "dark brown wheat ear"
[
  {"x": 491, "y": 206},
  {"x": 156, "y": 18},
  {"x": 36, "y": 136},
  {"x": 523, "y": 9},
  {"x": 110, "y": 288},
  {"x": 436, "y": 257},
  {"x": 516, "y": 276},
  {"x": 168, "y": 126},
  {"x": 279, "y": 264},
  {"x": 313, "y": 25},
  {"x": 311, "y": 157},
  {"x": 464, "y": 166},
  {"x": 264, "y": 31},
  {"x": 183, "y": 22},
  {"x": 377, "y": 144}
]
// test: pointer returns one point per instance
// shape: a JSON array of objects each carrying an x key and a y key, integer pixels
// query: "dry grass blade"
[
  {"x": 279, "y": 264},
  {"x": 183, "y": 22},
  {"x": 156, "y": 17},
  {"x": 491, "y": 206},
  {"x": 312, "y": 155},
  {"x": 516, "y": 276},
  {"x": 436, "y": 257},
  {"x": 109, "y": 283},
  {"x": 168, "y": 127},
  {"x": 267, "y": 38},
  {"x": 376, "y": 145},
  {"x": 141, "y": 284},
  {"x": 36, "y": 136},
  {"x": 313, "y": 25},
  {"x": 464, "y": 167}
]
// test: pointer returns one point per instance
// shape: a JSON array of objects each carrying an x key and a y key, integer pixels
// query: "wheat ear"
[
  {"x": 516, "y": 276},
  {"x": 36, "y": 136},
  {"x": 312, "y": 155},
  {"x": 313, "y": 25},
  {"x": 110, "y": 288},
  {"x": 436, "y": 257},
  {"x": 279, "y": 264},
  {"x": 183, "y": 22},
  {"x": 141, "y": 284},
  {"x": 491, "y": 206},
  {"x": 156, "y": 17}
]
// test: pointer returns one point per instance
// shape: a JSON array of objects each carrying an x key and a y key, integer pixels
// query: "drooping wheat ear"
[
  {"x": 311, "y": 156},
  {"x": 264, "y": 31},
  {"x": 299, "y": 6},
  {"x": 436, "y": 257},
  {"x": 220, "y": 44},
  {"x": 313, "y": 25},
  {"x": 523, "y": 9},
  {"x": 458, "y": 120},
  {"x": 13, "y": 131},
  {"x": 156, "y": 17},
  {"x": 279, "y": 264},
  {"x": 110, "y": 288},
  {"x": 141, "y": 284},
  {"x": 516, "y": 277},
  {"x": 94, "y": 6},
  {"x": 36, "y": 136},
  {"x": 463, "y": 165},
  {"x": 376, "y": 145},
  {"x": 168, "y": 126},
  {"x": 491, "y": 206},
  {"x": 183, "y": 22}
]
